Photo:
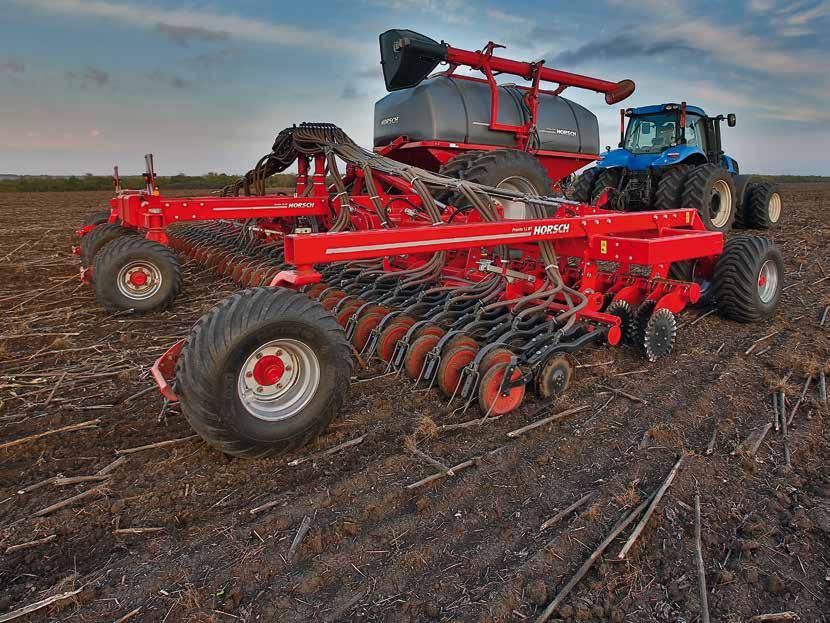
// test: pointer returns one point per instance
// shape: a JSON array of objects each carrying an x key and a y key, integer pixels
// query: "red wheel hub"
[
  {"x": 418, "y": 353},
  {"x": 490, "y": 398},
  {"x": 391, "y": 335},
  {"x": 762, "y": 280},
  {"x": 138, "y": 278},
  {"x": 452, "y": 363},
  {"x": 269, "y": 370}
]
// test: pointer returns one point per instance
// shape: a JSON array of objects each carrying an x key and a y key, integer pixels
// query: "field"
[{"x": 183, "y": 533}]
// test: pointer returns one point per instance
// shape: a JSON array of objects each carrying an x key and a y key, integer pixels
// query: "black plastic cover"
[{"x": 407, "y": 57}]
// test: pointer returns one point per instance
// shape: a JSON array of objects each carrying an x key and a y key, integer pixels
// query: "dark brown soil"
[{"x": 464, "y": 548}]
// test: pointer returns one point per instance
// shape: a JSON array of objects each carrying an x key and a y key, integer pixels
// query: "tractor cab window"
[
  {"x": 693, "y": 131},
  {"x": 651, "y": 134}
]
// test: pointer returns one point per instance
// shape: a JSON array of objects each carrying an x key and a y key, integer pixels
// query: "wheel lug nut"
[{"x": 249, "y": 374}]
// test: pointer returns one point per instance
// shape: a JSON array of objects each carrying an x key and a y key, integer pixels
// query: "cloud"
[
  {"x": 761, "y": 6},
  {"x": 177, "y": 82},
  {"x": 183, "y": 35},
  {"x": 619, "y": 47},
  {"x": 350, "y": 92},
  {"x": 671, "y": 27},
  {"x": 197, "y": 21},
  {"x": 91, "y": 76},
  {"x": 799, "y": 18},
  {"x": 12, "y": 66}
]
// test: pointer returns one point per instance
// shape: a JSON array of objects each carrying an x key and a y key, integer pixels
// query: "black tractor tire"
[
  {"x": 669, "y": 193},
  {"x": 97, "y": 238},
  {"x": 96, "y": 218},
  {"x": 607, "y": 179},
  {"x": 583, "y": 188},
  {"x": 743, "y": 284},
  {"x": 763, "y": 207},
  {"x": 502, "y": 167},
  {"x": 209, "y": 372},
  {"x": 455, "y": 167},
  {"x": 119, "y": 259},
  {"x": 686, "y": 270},
  {"x": 709, "y": 190}
]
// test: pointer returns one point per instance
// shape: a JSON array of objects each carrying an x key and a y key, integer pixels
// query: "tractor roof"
[{"x": 647, "y": 110}]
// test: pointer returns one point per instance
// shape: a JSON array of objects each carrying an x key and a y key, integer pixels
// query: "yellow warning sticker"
[
  {"x": 688, "y": 217},
  {"x": 603, "y": 246}
]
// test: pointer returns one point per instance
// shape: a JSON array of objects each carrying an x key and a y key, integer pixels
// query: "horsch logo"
[{"x": 546, "y": 230}]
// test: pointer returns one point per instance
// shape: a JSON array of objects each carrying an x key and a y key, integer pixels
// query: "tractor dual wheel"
[
  {"x": 710, "y": 190},
  {"x": 669, "y": 193},
  {"x": 583, "y": 187},
  {"x": 95, "y": 240},
  {"x": 607, "y": 180},
  {"x": 748, "y": 279},
  {"x": 762, "y": 209},
  {"x": 133, "y": 273},
  {"x": 263, "y": 372}
]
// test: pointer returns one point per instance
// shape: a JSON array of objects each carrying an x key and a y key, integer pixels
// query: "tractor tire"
[
  {"x": 583, "y": 188},
  {"x": 219, "y": 372},
  {"x": 96, "y": 218},
  {"x": 455, "y": 167},
  {"x": 95, "y": 240},
  {"x": 669, "y": 192},
  {"x": 709, "y": 190},
  {"x": 748, "y": 279},
  {"x": 607, "y": 178},
  {"x": 133, "y": 273},
  {"x": 763, "y": 208},
  {"x": 510, "y": 169}
]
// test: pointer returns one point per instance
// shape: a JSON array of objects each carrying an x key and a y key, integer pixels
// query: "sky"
[{"x": 206, "y": 85}]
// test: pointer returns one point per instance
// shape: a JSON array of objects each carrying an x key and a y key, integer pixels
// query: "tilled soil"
[{"x": 466, "y": 547}]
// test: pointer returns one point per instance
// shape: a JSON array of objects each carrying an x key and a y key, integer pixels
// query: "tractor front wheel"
[
  {"x": 748, "y": 279},
  {"x": 263, "y": 372},
  {"x": 709, "y": 189},
  {"x": 136, "y": 273}
]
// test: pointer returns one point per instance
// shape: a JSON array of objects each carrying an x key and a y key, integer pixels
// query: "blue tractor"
[{"x": 670, "y": 156}]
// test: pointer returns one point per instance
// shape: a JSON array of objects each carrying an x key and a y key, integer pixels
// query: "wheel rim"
[
  {"x": 139, "y": 280},
  {"x": 278, "y": 379},
  {"x": 516, "y": 209},
  {"x": 774, "y": 207},
  {"x": 721, "y": 203},
  {"x": 767, "y": 281}
]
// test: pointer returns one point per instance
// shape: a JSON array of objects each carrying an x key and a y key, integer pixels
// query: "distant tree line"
[{"x": 209, "y": 181}]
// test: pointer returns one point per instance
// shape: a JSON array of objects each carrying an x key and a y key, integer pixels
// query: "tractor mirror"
[
  {"x": 731, "y": 120},
  {"x": 408, "y": 57},
  {"x": 623, "y": 89}
]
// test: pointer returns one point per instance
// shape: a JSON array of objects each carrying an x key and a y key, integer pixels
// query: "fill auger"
[{"x": 443, "y": 260}]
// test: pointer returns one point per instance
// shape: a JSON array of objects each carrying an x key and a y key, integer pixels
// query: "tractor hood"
[{"x": 640, "y": 162}]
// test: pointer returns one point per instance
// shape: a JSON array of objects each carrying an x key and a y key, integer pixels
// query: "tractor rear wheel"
[
  {"x": 763, "y": 208},
  {"x": 136, "y": 273},
  {"x": 263, "y": 372},
  {"x": 670, "y": 187},
  {"x": 509, "y": 169},
  {"x": 583, "y": 188},
  {"x": 709, "y": 190},
  {"x": 748, "y": 279},
  {"x": 95, "y": 240}
]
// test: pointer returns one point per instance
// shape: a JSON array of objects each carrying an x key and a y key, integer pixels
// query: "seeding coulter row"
[{"x": 450, "y": 295}]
